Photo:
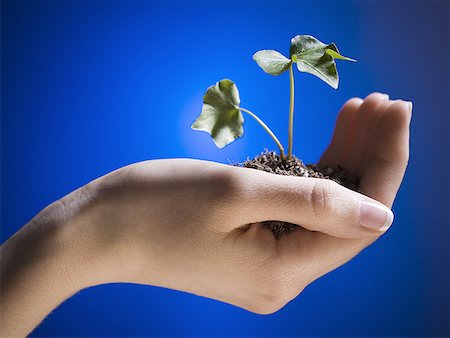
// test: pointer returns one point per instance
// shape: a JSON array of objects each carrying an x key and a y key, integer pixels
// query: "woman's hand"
[{"x": 194, "y": 225}]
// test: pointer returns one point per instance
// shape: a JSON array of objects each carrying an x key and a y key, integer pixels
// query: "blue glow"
[{"x": 89, "y": 86}]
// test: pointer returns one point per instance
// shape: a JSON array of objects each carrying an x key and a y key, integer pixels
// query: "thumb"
[{"x": 315, "y": 204}]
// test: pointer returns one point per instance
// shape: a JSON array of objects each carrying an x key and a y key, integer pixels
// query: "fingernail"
[
  {"x": 385, "y": 97},
  {"x": 375, "y": 216}
]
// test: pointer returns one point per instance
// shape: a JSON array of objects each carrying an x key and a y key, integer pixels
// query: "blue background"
[{"x": 90, "y": 86}]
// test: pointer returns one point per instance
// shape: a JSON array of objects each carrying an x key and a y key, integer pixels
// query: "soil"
[{"x": 272, "y": 163}]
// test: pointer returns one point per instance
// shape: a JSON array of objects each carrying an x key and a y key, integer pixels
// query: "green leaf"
[
  {"x": 271, "y": 61},
  {"x": 333, "y": 51},
  {"x": 220, "y": 116},
  {"x": 320, "y": 64},
  {"x": 317, "y": 58},
  {"x": 302, "y": 43}
]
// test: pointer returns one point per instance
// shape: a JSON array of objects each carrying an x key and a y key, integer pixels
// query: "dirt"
[{"x": 272, "y": 163}]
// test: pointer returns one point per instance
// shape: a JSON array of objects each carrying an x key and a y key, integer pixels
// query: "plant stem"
[
  {"x": 266, "y": 128},
  {"x": 291, "y": 111}
]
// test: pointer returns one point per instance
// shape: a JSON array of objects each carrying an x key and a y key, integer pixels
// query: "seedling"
[{"x": 221, "y": 114}]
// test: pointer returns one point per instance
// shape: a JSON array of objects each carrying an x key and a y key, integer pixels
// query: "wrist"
[
  {"x": 93, "y": 251},
  {"x": 100, "y": 248},
  {"x": 63, "y": 249},
  {"x": 39, "y": 268}
]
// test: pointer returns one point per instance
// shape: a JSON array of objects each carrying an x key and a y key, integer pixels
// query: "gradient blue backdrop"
[{"x": 89, "y": 86}]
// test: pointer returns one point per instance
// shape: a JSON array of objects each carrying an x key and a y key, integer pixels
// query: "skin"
[{"x": 194, "y": 225}]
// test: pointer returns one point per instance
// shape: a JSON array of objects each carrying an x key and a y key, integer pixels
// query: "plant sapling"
[{"x": 222, "y": 115}]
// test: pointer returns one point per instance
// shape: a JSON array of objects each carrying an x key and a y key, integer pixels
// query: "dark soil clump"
[{"x": 272, "y": 163}]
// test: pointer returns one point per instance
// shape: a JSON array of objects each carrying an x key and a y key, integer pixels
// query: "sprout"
[{"x": 221, "y": 115}]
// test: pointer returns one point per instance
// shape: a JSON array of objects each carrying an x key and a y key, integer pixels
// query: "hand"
[
  {"x": 371, "y": 139},
  {"x": 194, "y": 225}
]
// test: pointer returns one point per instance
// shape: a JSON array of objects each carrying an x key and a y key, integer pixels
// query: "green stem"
[
  {"x": 291, "y": 112},
  {"x": 266, "y": 128}
]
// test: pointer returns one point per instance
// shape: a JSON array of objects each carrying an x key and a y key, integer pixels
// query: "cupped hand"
[{"x": 195, "y": 226}]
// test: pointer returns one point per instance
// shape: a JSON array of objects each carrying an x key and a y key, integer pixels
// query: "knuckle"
[
  {"x": 321, "y": 197},
  {"x": 221, "y": 186}
]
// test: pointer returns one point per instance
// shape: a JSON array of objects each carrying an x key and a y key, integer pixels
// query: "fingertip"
[
  {"x": 410, "y": 109},
  {"x": 377, "y": 96},
  {"x": 375, "y": 216},
  {"x": 354, "y": 101},
  {"x": 410, "y": 106},
  {"x": 398, "y": 114},
  {"x": 348, "y": 113}
]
